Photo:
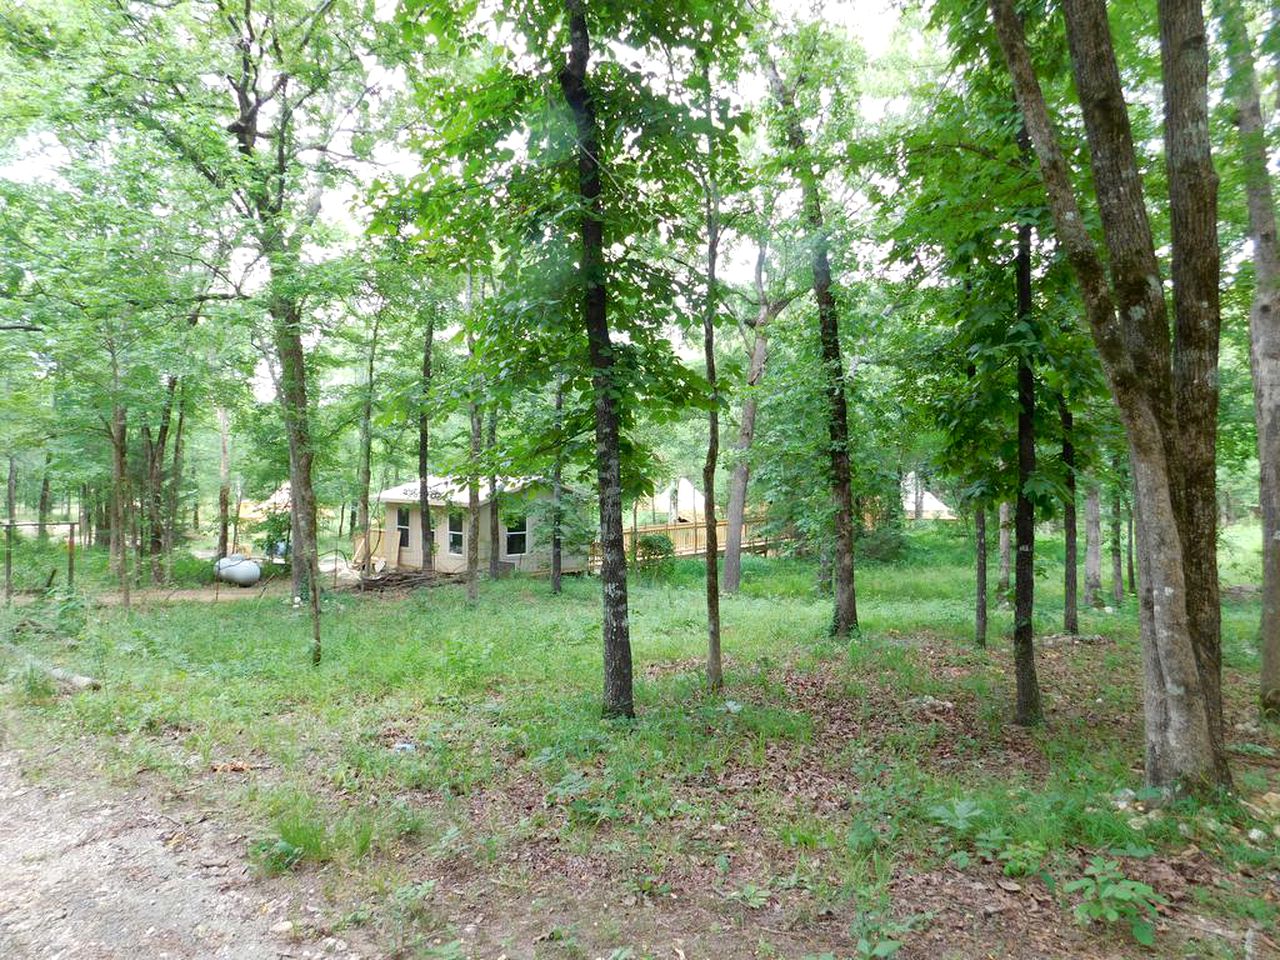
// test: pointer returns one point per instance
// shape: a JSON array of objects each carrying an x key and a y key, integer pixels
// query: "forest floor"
[{"x": 442, "y": 787}]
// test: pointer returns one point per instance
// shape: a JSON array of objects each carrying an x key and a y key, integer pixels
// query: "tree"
[
  {"x": 1167, "y": 417},
  {"x": 1264, "y": 328}
]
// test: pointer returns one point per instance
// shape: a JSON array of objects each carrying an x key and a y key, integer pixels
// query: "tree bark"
[
  {"x": 1092, "y": 546},
  {"x": 1126, "y": 312},
  {"x": 293, "y": 403},
  {"x": 1117, "y": 547},
  {"x": 173, "y": 488},
  {"x": 11, "y": 491},
  {"x": 711, "y": 203},
  {"x": 1006, "y": 542},
  {"x": 424, "y": 447},
  {"x": 557, "y": 495},
  {"x": 845, "y": 619},
  {"x": 43, "y": 505},
  {"x": 1028, "y": 710},
  {"x": 740, "y": 479},
  {"x": 119, "y": 500},
  {"x": 1070, "y": 583},
  {"x": 473, "y": 498},
  {"x": 1264, "y": 331},
  {"x": 980, "y": 577},
  {"x": 364, "y": 465},
  {"x": 1133, "y": 581},
  {"x": 495, "y": 540},
  {"x": 618, "y": 696},
  {"x": 224, "y": 481}
]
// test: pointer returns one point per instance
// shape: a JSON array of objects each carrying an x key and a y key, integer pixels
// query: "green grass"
[{"x": 435, "y": 732}]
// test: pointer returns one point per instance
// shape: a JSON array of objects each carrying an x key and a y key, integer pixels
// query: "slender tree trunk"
[
  {"x": 557, "y": 495},
  {"x": 1006, "y": 543},
  {"x": 1125, "y": 305},
  {"x": 1117, "y": 546},
  {"x": 424, "y": 446},
  {"x": 740, "y": 478},
  {"x": 980, "y": 576},
  {"x": 1133, "y": 582},
  {"x": 120, "y": 501},
  {"x": 917, "y": 509},
  {"x": 1070, "y": 583},
  {"x": 1092, "y": 546},
  {"x": 711, "y": 202},
  {"x": 173, "y": 488},
  {"x": 618, "y": 697},
  {"x": 845, "y": 620},
  {"x": 364, "y": 465},
  {"x": 43, "y": 506},
  {"x": 1264, "y": 331},
  {"x": 1028, "y": 710},
  {"x": 495, "y": 540},
  {"x": 473, "y": 493},
  {"x": 11, "y": 490},
  {"x": 224, "y": 481}
]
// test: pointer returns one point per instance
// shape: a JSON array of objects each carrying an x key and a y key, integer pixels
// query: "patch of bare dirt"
[{"x": 88, "y": 873}]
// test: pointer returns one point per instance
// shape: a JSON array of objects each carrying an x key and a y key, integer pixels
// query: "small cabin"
[{"x": 524, "y": 534}]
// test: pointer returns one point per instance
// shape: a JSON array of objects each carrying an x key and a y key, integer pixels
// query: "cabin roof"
[{"x": 451, "y": 491}]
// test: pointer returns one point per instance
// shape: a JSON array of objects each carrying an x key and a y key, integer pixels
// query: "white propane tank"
[{"x": 238, "y": 569}]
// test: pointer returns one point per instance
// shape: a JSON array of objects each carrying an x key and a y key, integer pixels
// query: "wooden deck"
[{"x": 690, "y": 539}]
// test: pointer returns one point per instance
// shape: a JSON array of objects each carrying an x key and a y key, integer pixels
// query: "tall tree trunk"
[
  {"x": 495, "y": 540},
  {"x": 154, "y": 452},
  {"x": 473, "y": 486},
  {"x": 1028, "y": 710},
  {"x": 557, "y": 494},
  {"x": 364, "y": 464},
  {"x": 618, "y": 697},
  {"x": 11, "y": 491},
  {"x": 1127, "y": 314},
  {"x": 1092, "y": 546},
  {"x": 43, "y": 506},
  {"x": 740, "y": 479},
  {"x": 845, "y": 619},
  {"x": 1117, "y": 546},
  {"x": 424, "y": 447},
  {"x": 1006, "y": 561},
  {"x": 980, "y": 576},
  {"x": 1264, "y": 331},
  {"x": 224, "y": 481},
  {"x": 1070, "y": 582},
  {"x": 297, "y": 419},
  {"x": 173, "y": 488},
  {"x": 1133, "y": 582},
  {"x": 917, "y": 507},
  {"x": 711, "y": 205},
  {"x": 120, "y": 501}
]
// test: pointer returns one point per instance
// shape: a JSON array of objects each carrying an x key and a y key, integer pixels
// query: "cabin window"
[
  {"x": 517, "y": 536},
  {"x": 455, "y": 532},
  {"x": 402, "y": 525}
]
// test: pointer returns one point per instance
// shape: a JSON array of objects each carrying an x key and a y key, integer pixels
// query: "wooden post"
[{"x": 71, "y": 558}]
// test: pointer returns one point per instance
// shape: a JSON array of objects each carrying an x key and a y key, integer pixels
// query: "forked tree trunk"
[
  {"x": 1006, "y": 540},
  {"x": 1070, "y": 583},
  {"x": 1092, "y": 546},
  {"x": 1264, "y": 332},
  {"x": 224, "y": 482},
  {"x": 980, "y": 576},
  {"x": 618, "y": 696},
  {"x": 845, "y": 620},
  {"x": 1129, "y": 323},
  {"x": 740, "y": 479}
]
